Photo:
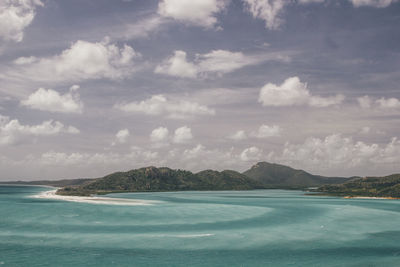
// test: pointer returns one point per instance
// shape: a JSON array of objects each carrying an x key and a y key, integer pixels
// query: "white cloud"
[
  {"x": 182, "y": 135},
  {"x": 251, "y": 154},
  {"x": 83, "y": 60},
  {"x": 177, "y": 65},
  {"x": 25, "y": 60},
  {"x": 143, "y": 27},
  {"x": 216, "y": 62},
  {"x": 239, "y": 135},
  {"x": 268, "y": 10},
  {"x": 15, "y": 16},
  {"x": 364, "y": 101},
  {"x": 365, "y": 130},
  {"x": 160, "y": 105},
  {"x": 310, "y": 1},
  {"x": 121, "y": 136},
  {"x": 12, "y": 131},
  {"x": 293, "y": 92},
  {"x": 388, "y": 103},
  {"x": 195, "y": 12},
  {"x": 367, "y": 102},
  {"x": 159, "y": 135},
  {"x": 338, "y": 152},
  {"x": 50, "y": 100},
  {"x": 266, "y": 131},
  {"x": 373, "y": 3}
]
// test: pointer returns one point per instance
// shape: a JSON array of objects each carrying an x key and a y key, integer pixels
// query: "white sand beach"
[{"x": 94, "y": 199}]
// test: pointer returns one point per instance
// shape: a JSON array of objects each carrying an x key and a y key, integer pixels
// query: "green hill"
[
  {"x": 387, "y": 186},
  {"x": 280, "y": 176},
  {"x": 163, "y": 179}
]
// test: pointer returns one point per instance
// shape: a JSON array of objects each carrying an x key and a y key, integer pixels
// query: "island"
[
  {"x": 262, "y": 175},
  {"x": 376, "y": 187}
]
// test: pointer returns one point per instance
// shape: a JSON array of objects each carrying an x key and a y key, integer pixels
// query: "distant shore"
[
  {"x": 360, "y": 197},
  {"x": 51, "y": 194}
]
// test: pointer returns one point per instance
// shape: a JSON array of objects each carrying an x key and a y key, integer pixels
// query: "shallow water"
[{"x": 240, "y": 228}]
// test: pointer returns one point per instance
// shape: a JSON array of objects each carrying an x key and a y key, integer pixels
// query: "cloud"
[
  {"x": 216, "y": 62},
  {"x": 159, "y": 135},
  {"x": 142, "y": 28},
  {"x": 266, "y": 131},
  {"x": 338, "y": 152},
  {"x": 293, "y": 92},
  {"x": 367, "y": 102},
  {"x": 239, "y": 135},
  {"x": 178, "y": 66},
  {"x": 388, "y": 103},
  {"x": 268, "y": 10},
  {"x": 50, "y": 100},
  {"x": 251, "y": 154},
  {"x": 159, "y": 105},
  {"x": 373, "y": 3},
  {"x": 82, "y": 61},
  {"x": 182, "y": 135},
  {"x": 194, "y": 12},
  {"x": 12, "y": 131},
  {"x": 25, "y": 60},
  {"x": 15, "y": 16},
  {"x": 121, "y": 136},
  {"x": 364, "y": 101}
]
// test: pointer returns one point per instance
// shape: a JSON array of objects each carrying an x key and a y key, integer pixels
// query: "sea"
[{"x": 221, "y": 228}]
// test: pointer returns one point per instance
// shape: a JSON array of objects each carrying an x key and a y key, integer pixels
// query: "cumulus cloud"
[
  {"x": 11, "y": 131},
  {"x": 182, "y": 135},
  {"x": 388, "y": 103},
  {"x": 367, "y": 102},
  {"x": 216, "y": 62},
  {"x": 251, "y": 154},
  {"x": 83, "y": 60},
  {"x": 121, "y": 137},
  {"x": 195, "y": 12},
  {"x": 159, "y": 135},
  {"x": 239, "y": 135},
  {"x": 293, "y": 92},
  {"x": 336, "y": 151},
  {"x": 162, "y": 106},
  {"x": 51, "y": 100},
  {"x": 268, "y": 10},
  {"x": 372, "y": 3},
  {"x": 266, "y": 131},
  {"x": 15, "y": 16},
  {"x": 364, "y": 101},
  {"x": 177, "y": 65},
  {"x": 25, "y": 60}
]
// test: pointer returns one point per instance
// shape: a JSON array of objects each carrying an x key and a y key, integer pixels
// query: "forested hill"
[
  {"x": 163, "y": 179},
  {"x": 281, "y": 176},
  {"x": 387, "y": 186}
]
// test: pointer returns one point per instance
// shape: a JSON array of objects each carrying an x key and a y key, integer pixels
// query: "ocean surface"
[{"x": 239, "y": 228}]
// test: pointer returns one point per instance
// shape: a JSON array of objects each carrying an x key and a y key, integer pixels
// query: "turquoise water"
[{"x": 241, "y": 228}]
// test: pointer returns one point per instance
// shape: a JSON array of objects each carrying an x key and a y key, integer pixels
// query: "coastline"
[
  {"x": 51, "y": 194},
  {"x": 359, "y": 197}
]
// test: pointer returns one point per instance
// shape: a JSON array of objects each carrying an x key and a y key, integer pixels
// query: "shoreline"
[
  {"x": 51, "y": 194},
  {"x": 360, "y": 197}
]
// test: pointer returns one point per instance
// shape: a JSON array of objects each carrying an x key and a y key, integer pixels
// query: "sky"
[{"x": 89, "y": 87}]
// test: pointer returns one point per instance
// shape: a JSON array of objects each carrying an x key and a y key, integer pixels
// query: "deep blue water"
[{"x": 241, "y": 228}]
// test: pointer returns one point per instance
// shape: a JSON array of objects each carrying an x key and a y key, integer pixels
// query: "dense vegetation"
[
  {"x": 163, "y": 179},
  {"x": 388, "y": 186},
  {"x": 280, "y": 176}
]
